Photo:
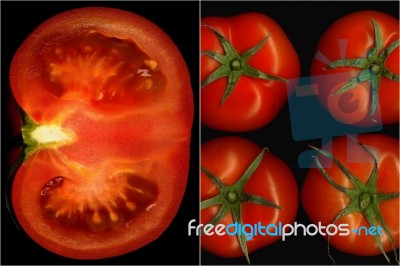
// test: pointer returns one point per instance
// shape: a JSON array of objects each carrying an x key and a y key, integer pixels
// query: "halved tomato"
[{"x": 109, "y": 110}]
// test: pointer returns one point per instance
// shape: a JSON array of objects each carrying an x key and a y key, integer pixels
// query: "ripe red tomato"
[
  {"x": 369, "y": 199},
  {"x": 256, "y": 88},
  {"x": 368, "y": 42},
  {"x": 110, "y": 110},
  {"x": 227, "y": 158}
]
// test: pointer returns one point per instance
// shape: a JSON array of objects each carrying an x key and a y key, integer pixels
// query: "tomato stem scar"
[
  {"x": 235, "y": 64},
  {"x": 231, "y": 196},
  {"x": 365, "y": 200}
]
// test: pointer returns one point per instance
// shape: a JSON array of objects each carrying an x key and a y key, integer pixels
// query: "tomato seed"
[
  {"x": 59, "y": 53},
  {"x": 148, "y": 83},
  {"x": 131, "y": 206},
  {"x": 152, "y": 64},
  {"x": 88, "y": 49},
  {"x": 114, "y": 217},
  {"x": 96, "y": 218}
]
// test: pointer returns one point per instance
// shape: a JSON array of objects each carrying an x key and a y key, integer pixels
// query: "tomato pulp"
[{"x": 108, "y": 113}]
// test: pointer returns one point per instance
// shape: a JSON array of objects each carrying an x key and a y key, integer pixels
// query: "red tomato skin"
[
  {"x": 352, "y": 107},
  {"x": 253, "y": 102},
  {"x": 228, "y": 158},
  {"x": 163, "y": 149},
  {"x": 322, "y": 202}
]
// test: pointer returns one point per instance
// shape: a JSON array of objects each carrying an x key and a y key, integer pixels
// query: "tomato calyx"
[
  {"x": 17, "y": 142},
  {"x": 373, "y": 68},
  {"x": 231, "y": 198},
  {"x": 234, "y": 65},
  {"x": 364, "y": 197},
  {"x": 33, "y": 137},
  {"x": 37, "y": 136}
]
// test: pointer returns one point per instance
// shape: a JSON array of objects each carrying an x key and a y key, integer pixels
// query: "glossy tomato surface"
[
  {"x": 304, "y": 27},
  {"x": 254, "y": 102},
  {"x": 322, "y": 202},
  {"x": 110, "y": 102},
  {"x": 353, "y": 37},
  {"x": 228, "y": 158}
]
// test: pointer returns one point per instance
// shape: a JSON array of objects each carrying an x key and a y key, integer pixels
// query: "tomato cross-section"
[{"x": 108, "y": 110}]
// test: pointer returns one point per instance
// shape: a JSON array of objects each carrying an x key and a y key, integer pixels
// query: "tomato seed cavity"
[
  {"x": 55, "y": 182},
  {"x": 120, "y": 199},
  {"x": 99, "y": 70}
]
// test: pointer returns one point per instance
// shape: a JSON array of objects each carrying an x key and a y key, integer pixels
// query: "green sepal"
[
  {"x": 364, "y": 197},
  {"x": 234, "y": 65},
  {"x": 237, "y": 217},
  {"x": 30, "y": 144},
  {"x": 372, "y": 68},
  {"x": 17, "y": 142},
  {"x": 231, "y": 198}
]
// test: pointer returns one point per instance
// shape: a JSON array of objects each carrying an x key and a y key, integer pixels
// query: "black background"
[
  {"x": 18, "y": 20},
  {"x": 304, "y": 23}
]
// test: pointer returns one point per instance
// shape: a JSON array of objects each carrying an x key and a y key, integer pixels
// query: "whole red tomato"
[
  {"x": 366, "y": 194},
  {"x": 246, "y": 62},
  {"x": 109, "y": 108},
  {"x": 363, "y": 47},
  {"x": 243, "y": 183}
]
